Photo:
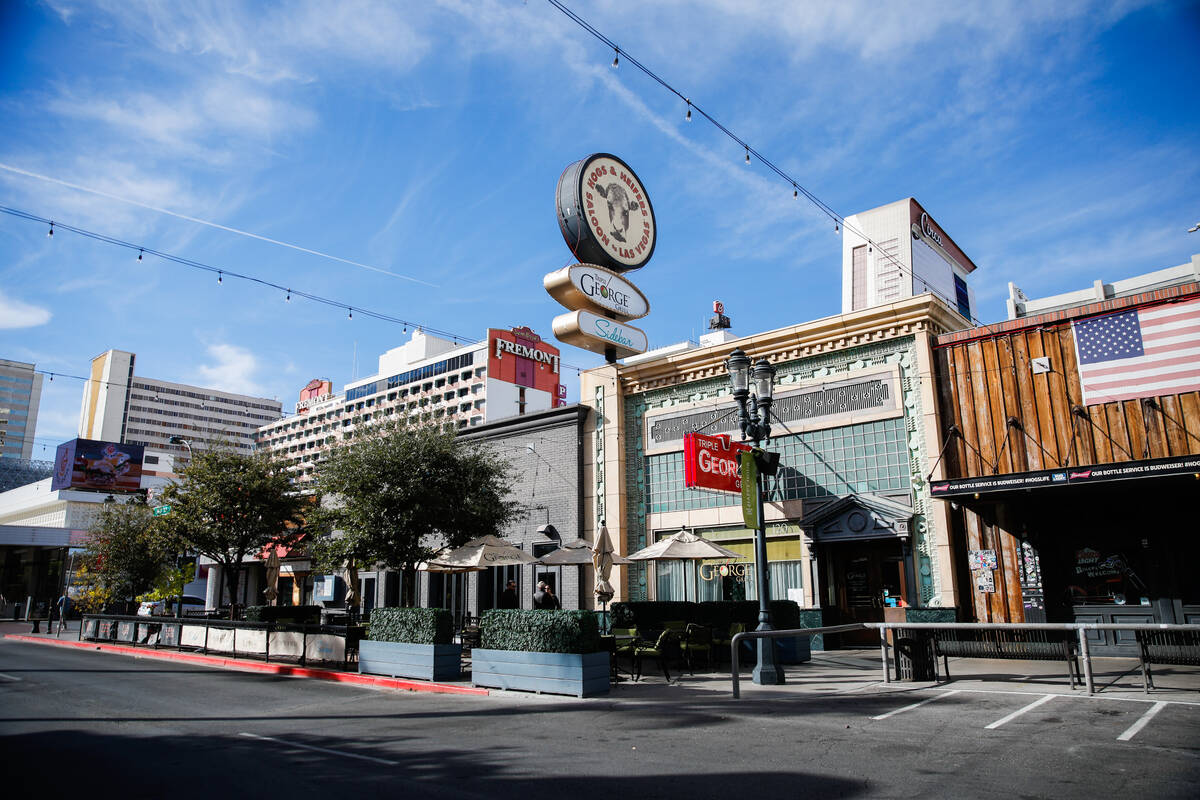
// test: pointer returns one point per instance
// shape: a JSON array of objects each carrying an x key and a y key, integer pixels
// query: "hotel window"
[{"x": 858, "y": 278}]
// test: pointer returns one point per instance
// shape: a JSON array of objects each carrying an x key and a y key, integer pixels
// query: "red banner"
[{"x": 711, "y": 462}]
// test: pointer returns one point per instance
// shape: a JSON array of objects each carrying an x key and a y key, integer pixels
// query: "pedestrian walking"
[{"x": 64, "y": 608}]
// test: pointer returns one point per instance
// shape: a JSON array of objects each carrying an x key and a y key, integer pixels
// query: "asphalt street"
[{"x": 85, "y": 723}]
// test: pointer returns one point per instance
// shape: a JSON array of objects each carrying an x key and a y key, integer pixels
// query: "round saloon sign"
[
  {"x": 604, "y": 213},
  {"x": 608, "y": 223}
]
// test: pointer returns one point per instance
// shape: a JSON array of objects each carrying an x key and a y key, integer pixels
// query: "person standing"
[
  {"x": 540, "y": 599},
  {"x": 508, "y": 597},
  {"x": 552, "y": 601}
]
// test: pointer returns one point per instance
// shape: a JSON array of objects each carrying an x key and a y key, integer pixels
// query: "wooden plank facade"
[{"x": 1013, "y": 412}]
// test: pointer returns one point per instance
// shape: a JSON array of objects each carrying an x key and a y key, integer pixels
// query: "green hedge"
[
  {"x": 292, "y": 614},
  {"x": 413, "y": 625},
  {"x": 538, "y": 631},
  {"x": 715, "y": 613}
]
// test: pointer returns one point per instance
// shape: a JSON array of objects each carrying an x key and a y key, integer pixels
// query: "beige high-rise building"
[
  {"x": 119, "y": 406},
  {"x": 20, "y": 395}
]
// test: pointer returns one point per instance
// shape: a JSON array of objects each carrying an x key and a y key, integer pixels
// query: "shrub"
[
  {"x": 537, "y": 631},
  {"x": 412, "y": 625},
  {"x": 717, "y": 614},
  {"x": 296, "y": 615}
]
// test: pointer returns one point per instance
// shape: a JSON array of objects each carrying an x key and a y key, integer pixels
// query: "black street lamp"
[{"x": 754, "y": 419}]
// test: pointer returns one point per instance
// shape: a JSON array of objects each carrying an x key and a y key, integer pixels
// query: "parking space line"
[
  {"x": 342, "y": 753},
  {"x": 1019, "y": 712},
  {"x": 1136, "y": 727},
  {"x": 8, "y": 677},
  {"x": 915, "y": 705}
]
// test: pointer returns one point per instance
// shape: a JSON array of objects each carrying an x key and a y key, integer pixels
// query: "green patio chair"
[
  {"x": 665, "y": 649},
  {"x": 697, "y": 642}
]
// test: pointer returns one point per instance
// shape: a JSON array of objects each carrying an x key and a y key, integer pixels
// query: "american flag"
[{"x": 1139, "y": 353}]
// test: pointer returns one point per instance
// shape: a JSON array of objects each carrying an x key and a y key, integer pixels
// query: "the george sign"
[
  {"x": 711, "y": 462},
  {"x": 599, "y": 334},
  {"x": 750, "y": 490},
  {"x": 604, "y": 213},
  {"x": 598, "y": 289},
  {"x": 162, "y": 511}
]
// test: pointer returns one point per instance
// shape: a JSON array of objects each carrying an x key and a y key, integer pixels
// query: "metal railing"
[
  {"x": 1081, "y": 629},
  {"x": 159, "y": 632}
]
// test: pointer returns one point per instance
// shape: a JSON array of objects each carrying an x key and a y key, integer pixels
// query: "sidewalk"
[{"x": 832, "y": 673}]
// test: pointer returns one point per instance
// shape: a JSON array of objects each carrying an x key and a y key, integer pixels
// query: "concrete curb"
[{"x": 239, "y": 665}]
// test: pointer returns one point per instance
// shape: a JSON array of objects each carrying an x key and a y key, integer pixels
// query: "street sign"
[
  {"x": 162, "y": 511},
  {"x": 749, "y": 490}
]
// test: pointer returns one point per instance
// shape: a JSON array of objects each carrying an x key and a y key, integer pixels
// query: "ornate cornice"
[{"x": 921, "y": 314}]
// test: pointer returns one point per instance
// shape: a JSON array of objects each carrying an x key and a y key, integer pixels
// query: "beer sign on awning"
[{"x": 712, "y": 462}]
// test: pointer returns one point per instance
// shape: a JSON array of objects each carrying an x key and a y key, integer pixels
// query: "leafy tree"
[
  {"x": 397, "y": 489},
  {"x": 229, "y": 506},
  {"x": 125, "y": 553}
]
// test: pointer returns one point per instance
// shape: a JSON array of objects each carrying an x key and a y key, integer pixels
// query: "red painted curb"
[{"x": 253, "y": 666}]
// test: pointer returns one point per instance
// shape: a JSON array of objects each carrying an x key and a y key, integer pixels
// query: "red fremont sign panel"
[{"x": 711, "y": 462}]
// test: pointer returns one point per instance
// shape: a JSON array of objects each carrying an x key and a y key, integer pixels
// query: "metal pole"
[
  {"x": 1087, "y": 661},
  {"x": 766, "y": 671},
  {"x": 883, "y": 652}
]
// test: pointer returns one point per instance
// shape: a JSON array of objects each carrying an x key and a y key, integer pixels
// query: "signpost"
[{"x": 162, "y": 511}]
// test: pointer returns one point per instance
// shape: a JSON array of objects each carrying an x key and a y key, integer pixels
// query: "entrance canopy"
[{"x": 857, "y": 517}]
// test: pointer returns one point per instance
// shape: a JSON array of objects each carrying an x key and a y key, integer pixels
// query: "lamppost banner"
[{"x": 749, "y": 490}]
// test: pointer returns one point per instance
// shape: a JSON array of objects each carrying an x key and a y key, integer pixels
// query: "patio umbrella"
[
  {"x": 481, "y": 553},
  {"x": 478, "y": 554},
  {"x": 272, "y": 590},
  {"x": 683, "y": 546}
]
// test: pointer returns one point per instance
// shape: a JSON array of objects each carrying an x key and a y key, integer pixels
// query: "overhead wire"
[{"x": 797, "y": 188}]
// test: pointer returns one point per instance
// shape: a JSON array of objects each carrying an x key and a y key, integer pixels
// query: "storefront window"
[
  {"x": 1103, "y": 575},
  {"x": 871, "y": 457}
]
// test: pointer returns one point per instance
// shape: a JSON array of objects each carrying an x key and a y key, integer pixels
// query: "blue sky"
[{"x": 1056, "y": 142}]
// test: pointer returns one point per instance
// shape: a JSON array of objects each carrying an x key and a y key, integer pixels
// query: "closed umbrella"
[
  {"x": 683, "y": 546},
  {"x": 604, "y": 555},
  {"x": 272, "y": 590},
  {"x": 353, "y": 601}
]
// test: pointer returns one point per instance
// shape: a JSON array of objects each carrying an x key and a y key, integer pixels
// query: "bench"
[
  {"x": 1024, "y": 645},
  {"x": 1166, "y": 647}
]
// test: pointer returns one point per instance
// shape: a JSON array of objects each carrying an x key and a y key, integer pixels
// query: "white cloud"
[
  {"x": 233, "y": 370},
  {"x": 17, "y": 314}
]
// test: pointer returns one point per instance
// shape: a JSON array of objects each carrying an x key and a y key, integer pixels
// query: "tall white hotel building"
[{"x": 427, "y": 379}]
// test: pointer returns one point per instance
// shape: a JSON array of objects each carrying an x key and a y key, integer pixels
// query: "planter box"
[
  {"x": 430, "y": 662},
  {"x": 580, "y": 674}
]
